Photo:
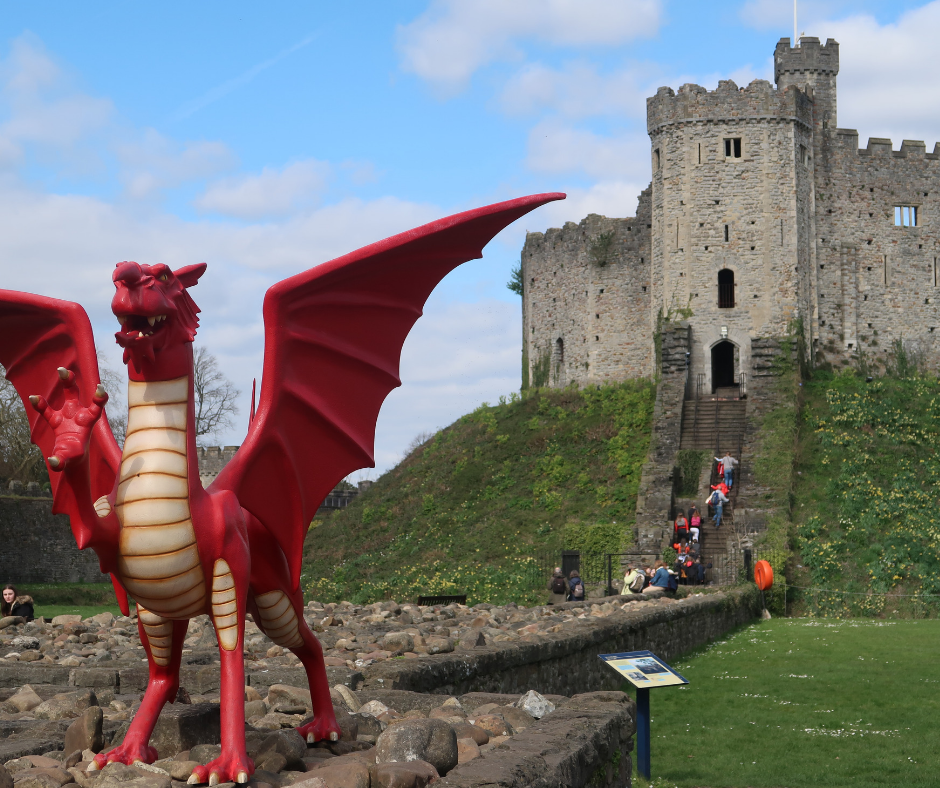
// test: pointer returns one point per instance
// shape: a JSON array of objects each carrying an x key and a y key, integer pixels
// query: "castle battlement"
[
  {"x": 727, "y": 103},
  {"x": 808, "y": 57},
  {"x": 882, "y": 146},
  {"x": 588, "y": 227}
]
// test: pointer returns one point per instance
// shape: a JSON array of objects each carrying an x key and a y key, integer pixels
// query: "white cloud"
[
  {"x": 554, "y": 147},
  {"x": 273, "y": 192},
  {"x": 44, "y": 110},
  {"x": 577, "y": 90},
  {"x": 452, "y": 39},
  {"x": 615, "y": 199},
  {"x": 887, "y": 80},
  {"x": 476, "y": 353},
  {"x": 152, "y": 162},
  {"x": 777, "y": 15}
]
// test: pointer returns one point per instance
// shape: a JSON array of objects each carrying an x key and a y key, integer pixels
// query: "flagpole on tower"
[{"x": 796, "y": 40}]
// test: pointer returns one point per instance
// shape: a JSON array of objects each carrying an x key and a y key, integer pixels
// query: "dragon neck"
[{"x": 171, "y": 371}]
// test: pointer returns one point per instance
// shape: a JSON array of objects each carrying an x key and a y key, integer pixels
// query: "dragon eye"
[{"x": 163, "y": 277}]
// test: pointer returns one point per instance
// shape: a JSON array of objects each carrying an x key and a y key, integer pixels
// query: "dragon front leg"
[
  {"x": 163, "y": 641},
  {"x": 229, "y": 595}
]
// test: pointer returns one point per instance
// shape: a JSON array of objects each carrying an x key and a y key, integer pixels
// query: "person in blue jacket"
[{"x": 660, "y": 578}]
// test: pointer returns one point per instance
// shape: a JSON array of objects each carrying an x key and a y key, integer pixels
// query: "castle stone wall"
[
  {"x": 38, "y": 546},
  {"x": 877, "y": 282},
  {"x": 586, "y": 301}
]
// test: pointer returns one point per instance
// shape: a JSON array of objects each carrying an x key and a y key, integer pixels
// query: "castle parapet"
[
  {"x": 758, "y": 101},
  {"x": 808, "y": 57}
]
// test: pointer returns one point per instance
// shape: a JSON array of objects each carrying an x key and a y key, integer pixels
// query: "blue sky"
[{"x": 267, "y": 140}]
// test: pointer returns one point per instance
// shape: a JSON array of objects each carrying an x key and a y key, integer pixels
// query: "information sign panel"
[{"x": 643, "y": 669}]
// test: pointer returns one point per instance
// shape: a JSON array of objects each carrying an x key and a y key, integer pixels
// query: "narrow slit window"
[
  {"x": 656, "y": 159},
  {"x": 886, "y": 277},
  {"x": 727, "y": 233},
  {"x": 802, "y": 154},
  {"x": 726, "y": 289},
  {"x": 905, "y": 216},
  {"x": 700, "y": 153},
  {"x": 935, "y": 272},
  {"x": 733, "y": 148}
]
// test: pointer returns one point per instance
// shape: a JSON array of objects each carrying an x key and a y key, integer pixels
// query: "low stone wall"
[
  {"x": 567, "y": 664},
  {"x": 38, "y": 546}
]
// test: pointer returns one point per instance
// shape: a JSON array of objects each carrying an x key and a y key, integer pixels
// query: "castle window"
[
  {"x": 726, "y": 288},
  {"x": 655, "y": 159},
  {"x": 700, "y": 154},
  {"x": 733, "y": 148},
  {"x": 727, "y": 232},
  {"x": 935, "y": 272},
  {"x": 802, "y": 154},
  {"x": 905, "y": 216}
]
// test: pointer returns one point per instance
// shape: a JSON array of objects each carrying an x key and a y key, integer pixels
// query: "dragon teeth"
[{"x": 152, "y": 320}]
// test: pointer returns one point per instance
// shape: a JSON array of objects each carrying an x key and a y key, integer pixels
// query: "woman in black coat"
[{"x": 15, "y": 605}]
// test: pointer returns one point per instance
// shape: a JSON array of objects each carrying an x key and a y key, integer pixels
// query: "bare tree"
[
  {"x": 19, "y": 459},
  {"x": 215, "y": 395},
  {"x": 115, "y": 384}
]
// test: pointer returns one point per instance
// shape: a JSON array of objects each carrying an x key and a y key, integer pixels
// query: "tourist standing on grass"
[
  {"x": 575, "y": 587},
  {"x": 728, "y": 462},
  {"x": 558, "y": 587},
  {"x": 15, "y": 605},
  {"x": 718, "y": 500},
  {"x": 660, "y": 579}
]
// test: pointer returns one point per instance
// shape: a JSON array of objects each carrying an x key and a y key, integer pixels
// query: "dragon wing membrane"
[
  {"x": 333, "y": 340},
  {"x": 37, "y": 335}
]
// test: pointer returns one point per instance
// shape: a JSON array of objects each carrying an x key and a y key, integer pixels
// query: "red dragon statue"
[{"x": 333, "y": 339}]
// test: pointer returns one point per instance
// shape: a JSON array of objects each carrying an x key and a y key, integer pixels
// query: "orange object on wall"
[{"x": 763, "y": 575}]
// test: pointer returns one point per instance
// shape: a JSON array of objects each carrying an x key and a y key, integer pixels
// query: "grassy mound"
[
  {"x": 466, "y": 511},
  {"x": 866, "y": 501}
]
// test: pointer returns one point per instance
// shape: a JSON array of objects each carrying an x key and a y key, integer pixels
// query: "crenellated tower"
[{"x": 731, "y": 215}]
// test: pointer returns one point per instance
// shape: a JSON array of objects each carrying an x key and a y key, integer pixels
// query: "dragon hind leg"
[
  {"x": 280, "y": 617},
  {"x": 163, "y": 641}
]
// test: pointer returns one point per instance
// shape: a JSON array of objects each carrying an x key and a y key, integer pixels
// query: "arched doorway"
[{"x": 722, "y": 365}]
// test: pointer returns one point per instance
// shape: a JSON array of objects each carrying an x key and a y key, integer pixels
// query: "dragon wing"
[
  {"x": 37, "y": 335},
  {"x": 333, "y": 340}
]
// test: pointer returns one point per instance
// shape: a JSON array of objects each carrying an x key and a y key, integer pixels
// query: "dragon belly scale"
[{"x": 159, "y": 562}]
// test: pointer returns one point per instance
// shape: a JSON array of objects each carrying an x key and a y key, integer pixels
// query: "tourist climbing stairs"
[{"x": 716, "y": 425}]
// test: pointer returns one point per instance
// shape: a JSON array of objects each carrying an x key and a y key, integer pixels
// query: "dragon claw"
[
  {"x": 34, "y": 400},
  {"x": 241, "y": 777},
  {"x": 92, "y": 767},
  {"x": 213, "y": 779},
  {"x": 63, "y": 373},
  {"x": 193, "y": 780},
  {"x": 311, "y": 739},
  {"x": 334, "y": 736},
  {"x": 54, "y": 462}
]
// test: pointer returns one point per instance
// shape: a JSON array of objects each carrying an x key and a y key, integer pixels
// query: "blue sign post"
[{"x": 645, "y": 671}]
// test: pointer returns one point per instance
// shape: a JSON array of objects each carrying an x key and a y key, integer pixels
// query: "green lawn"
[
  {"x": 85, "y": 611},
  {"x": 803, "y": 702}
]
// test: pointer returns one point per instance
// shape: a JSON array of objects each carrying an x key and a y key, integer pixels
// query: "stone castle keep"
[{"x": 761, "y": 212}]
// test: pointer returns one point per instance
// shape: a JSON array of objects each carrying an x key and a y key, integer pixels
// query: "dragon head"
[{"x": 155, "y": 311}]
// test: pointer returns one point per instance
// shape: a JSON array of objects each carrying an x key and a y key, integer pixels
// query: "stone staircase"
[{"x": 716, "y": 425}]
